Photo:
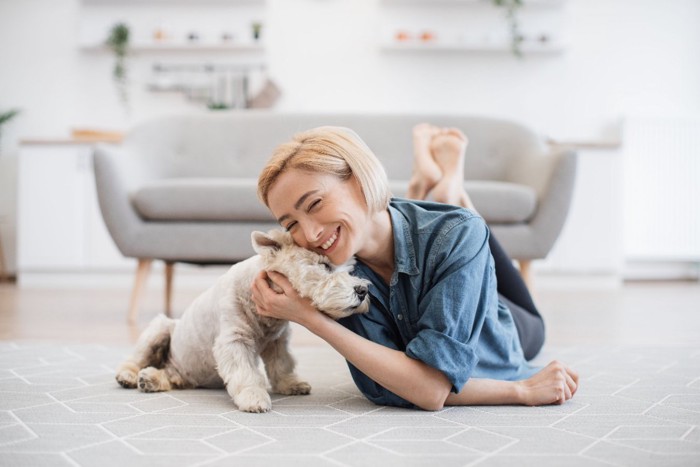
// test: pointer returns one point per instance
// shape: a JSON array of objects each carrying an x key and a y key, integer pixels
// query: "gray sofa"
[{"x": 183, "y": 188}]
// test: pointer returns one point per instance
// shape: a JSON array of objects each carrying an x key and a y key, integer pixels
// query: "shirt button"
[{"x": 399, "y": 317}]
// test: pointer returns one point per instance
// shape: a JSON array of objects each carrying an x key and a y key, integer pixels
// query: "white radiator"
[{"x": 662, "y": 189}]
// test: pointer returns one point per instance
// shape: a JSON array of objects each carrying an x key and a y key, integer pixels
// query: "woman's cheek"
[{"x": 299, "y": 238}]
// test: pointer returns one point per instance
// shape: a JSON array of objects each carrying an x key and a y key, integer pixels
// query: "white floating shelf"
[
  {"x": 181, "y": 47},
  {"x": 414, "y": 46},
  {"x": 526, "y": 3},
  {"x": 171, "y": 2}
]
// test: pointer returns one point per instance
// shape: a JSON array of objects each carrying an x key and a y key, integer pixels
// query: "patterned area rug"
[{"x": 60, "y": 405}]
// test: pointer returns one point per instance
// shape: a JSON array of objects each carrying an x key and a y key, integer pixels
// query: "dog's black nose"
[{"x": 361, "y": 291}]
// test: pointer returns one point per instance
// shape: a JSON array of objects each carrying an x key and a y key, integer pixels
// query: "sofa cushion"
[
  {"x": 200, "y": 199},
  {"x": 502, "y": 202},
  {"x": 235, "y": 199},
  {"x": 497, "y": 202}
]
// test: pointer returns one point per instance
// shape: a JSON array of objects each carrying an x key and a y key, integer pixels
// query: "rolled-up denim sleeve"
[
  {"x": 374, "y": 326},
  {"x": 456, "y": 302}
]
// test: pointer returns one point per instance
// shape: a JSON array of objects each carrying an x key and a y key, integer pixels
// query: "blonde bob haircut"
[{"x": 329, "y": 150}]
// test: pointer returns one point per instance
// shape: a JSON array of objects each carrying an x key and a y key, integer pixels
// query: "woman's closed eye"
[{"x": 313, "y": 205}]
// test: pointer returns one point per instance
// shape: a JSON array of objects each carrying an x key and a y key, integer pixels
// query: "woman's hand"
[
  {"x": 288, "y": 304},
  {"x": 554, "y": 384}
]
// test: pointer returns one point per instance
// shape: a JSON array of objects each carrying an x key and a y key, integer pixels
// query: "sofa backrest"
[{"x": 237, "y": 144}]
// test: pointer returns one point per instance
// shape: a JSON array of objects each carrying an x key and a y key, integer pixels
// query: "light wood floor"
[{"x": 639, "y": 313}]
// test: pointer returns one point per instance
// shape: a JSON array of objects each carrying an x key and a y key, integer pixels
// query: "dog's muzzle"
[{"x": 361, "y": 292}]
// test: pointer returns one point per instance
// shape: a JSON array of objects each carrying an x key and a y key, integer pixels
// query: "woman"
[{"x": 437, "y": 332}]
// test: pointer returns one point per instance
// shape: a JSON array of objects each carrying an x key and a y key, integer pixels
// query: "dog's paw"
[
  {"x": 150, "y": 380},
  {"x": 293, "y": 388},
  {"x": 253, "y": 399},
  {"x": 127, "y": 379}
]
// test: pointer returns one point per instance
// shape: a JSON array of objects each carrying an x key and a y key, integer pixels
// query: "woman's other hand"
[
  {"x": 554, "y": 384},
  {"x": 287, "y": 304}
]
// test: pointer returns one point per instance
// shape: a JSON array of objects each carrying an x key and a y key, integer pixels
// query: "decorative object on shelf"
[
  {"x": 219, "y": 86},
  {"x": 266, "y": 97},
  {"x": 217, "y": 106},
  {"x": 257, "y": 30},
  {"x": 4, "y": 118},
  {"x": 193, "y": 37},
  {"x": 159, "y": 35},
  {"x": 516, "y": 38},
  {"x": 96, "y": 135},
  {"x": 118, "y": 42},
  {"x": 427, "y": 36},
  {"x": 402, "y": 36}
]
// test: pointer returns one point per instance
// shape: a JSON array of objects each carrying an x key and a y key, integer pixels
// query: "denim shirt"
[{"x": 441, "y": 306}]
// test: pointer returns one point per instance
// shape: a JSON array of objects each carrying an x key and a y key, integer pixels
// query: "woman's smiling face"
[{"x": 322, "y": 212}]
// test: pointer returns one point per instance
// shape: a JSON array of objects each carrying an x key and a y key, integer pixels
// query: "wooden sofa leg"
[
  {"x": 142, "y": 271},
  {"x": 526, "y": 272},
  {"x": 169, "y": 268},
  {"x": 3, "y": 271}
]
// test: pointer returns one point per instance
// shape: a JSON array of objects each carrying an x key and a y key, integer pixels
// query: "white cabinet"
[
  {"x": 60, "y": 227},
  {"x": 591, "y": 240}
]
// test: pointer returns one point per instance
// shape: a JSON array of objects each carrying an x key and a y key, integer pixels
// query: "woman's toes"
[
  {"x": 456, "y": 132},
  {"x": 423, "y": 128},
  {"x": 447, "y": 145}
]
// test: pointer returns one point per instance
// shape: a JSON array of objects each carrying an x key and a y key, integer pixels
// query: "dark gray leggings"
[{"x": 514, "y": 293}]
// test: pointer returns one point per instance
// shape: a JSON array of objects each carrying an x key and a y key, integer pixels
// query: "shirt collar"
[{"x": 404, "y": 248}]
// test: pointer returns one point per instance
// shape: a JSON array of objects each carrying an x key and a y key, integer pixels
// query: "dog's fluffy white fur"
[{"x": 220, "y": 337}]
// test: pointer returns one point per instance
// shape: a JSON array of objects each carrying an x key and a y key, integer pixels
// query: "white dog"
[{"x": 220, "y": 337}]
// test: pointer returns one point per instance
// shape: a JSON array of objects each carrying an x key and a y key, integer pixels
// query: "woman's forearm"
[
  {"x": 486, "y": 392},
  {"x": 408, "y": 378}
]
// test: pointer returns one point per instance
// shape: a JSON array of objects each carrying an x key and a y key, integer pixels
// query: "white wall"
[{"x": 623, "y": 57}]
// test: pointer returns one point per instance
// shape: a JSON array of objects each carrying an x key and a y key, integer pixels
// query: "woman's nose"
[{"x": 312, "y": 232}]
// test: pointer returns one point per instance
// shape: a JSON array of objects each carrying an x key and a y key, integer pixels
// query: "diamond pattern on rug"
[{"x": 60, "y": 405}]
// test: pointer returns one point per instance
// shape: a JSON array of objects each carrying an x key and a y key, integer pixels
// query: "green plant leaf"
[
  {"x": 118, "y": 39},
  {"x": 9, "y": 115}
]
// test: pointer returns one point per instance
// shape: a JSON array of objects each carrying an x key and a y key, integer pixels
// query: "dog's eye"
[{"x": 328, "y": 267}]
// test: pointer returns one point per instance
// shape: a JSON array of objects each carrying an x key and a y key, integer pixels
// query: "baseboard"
[
  {"x": 576, "y": 281},
  {"x": 661, "y": 270}
]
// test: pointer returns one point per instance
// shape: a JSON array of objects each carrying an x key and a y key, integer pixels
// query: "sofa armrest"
[
  {"x": 112, "y": 181},
  {"x": 555, "y": 201}
]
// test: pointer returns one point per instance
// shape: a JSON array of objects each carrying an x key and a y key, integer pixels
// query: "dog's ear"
[
  {"x": 264, "y": 243},
  {"x": 272, "y": 241},
  {"x": 280, "y": 236}
]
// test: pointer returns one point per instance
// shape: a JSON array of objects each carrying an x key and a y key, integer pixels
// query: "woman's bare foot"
[
  {"x": 426, "y": 172},
  {"x": 448, "y": 148}
]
